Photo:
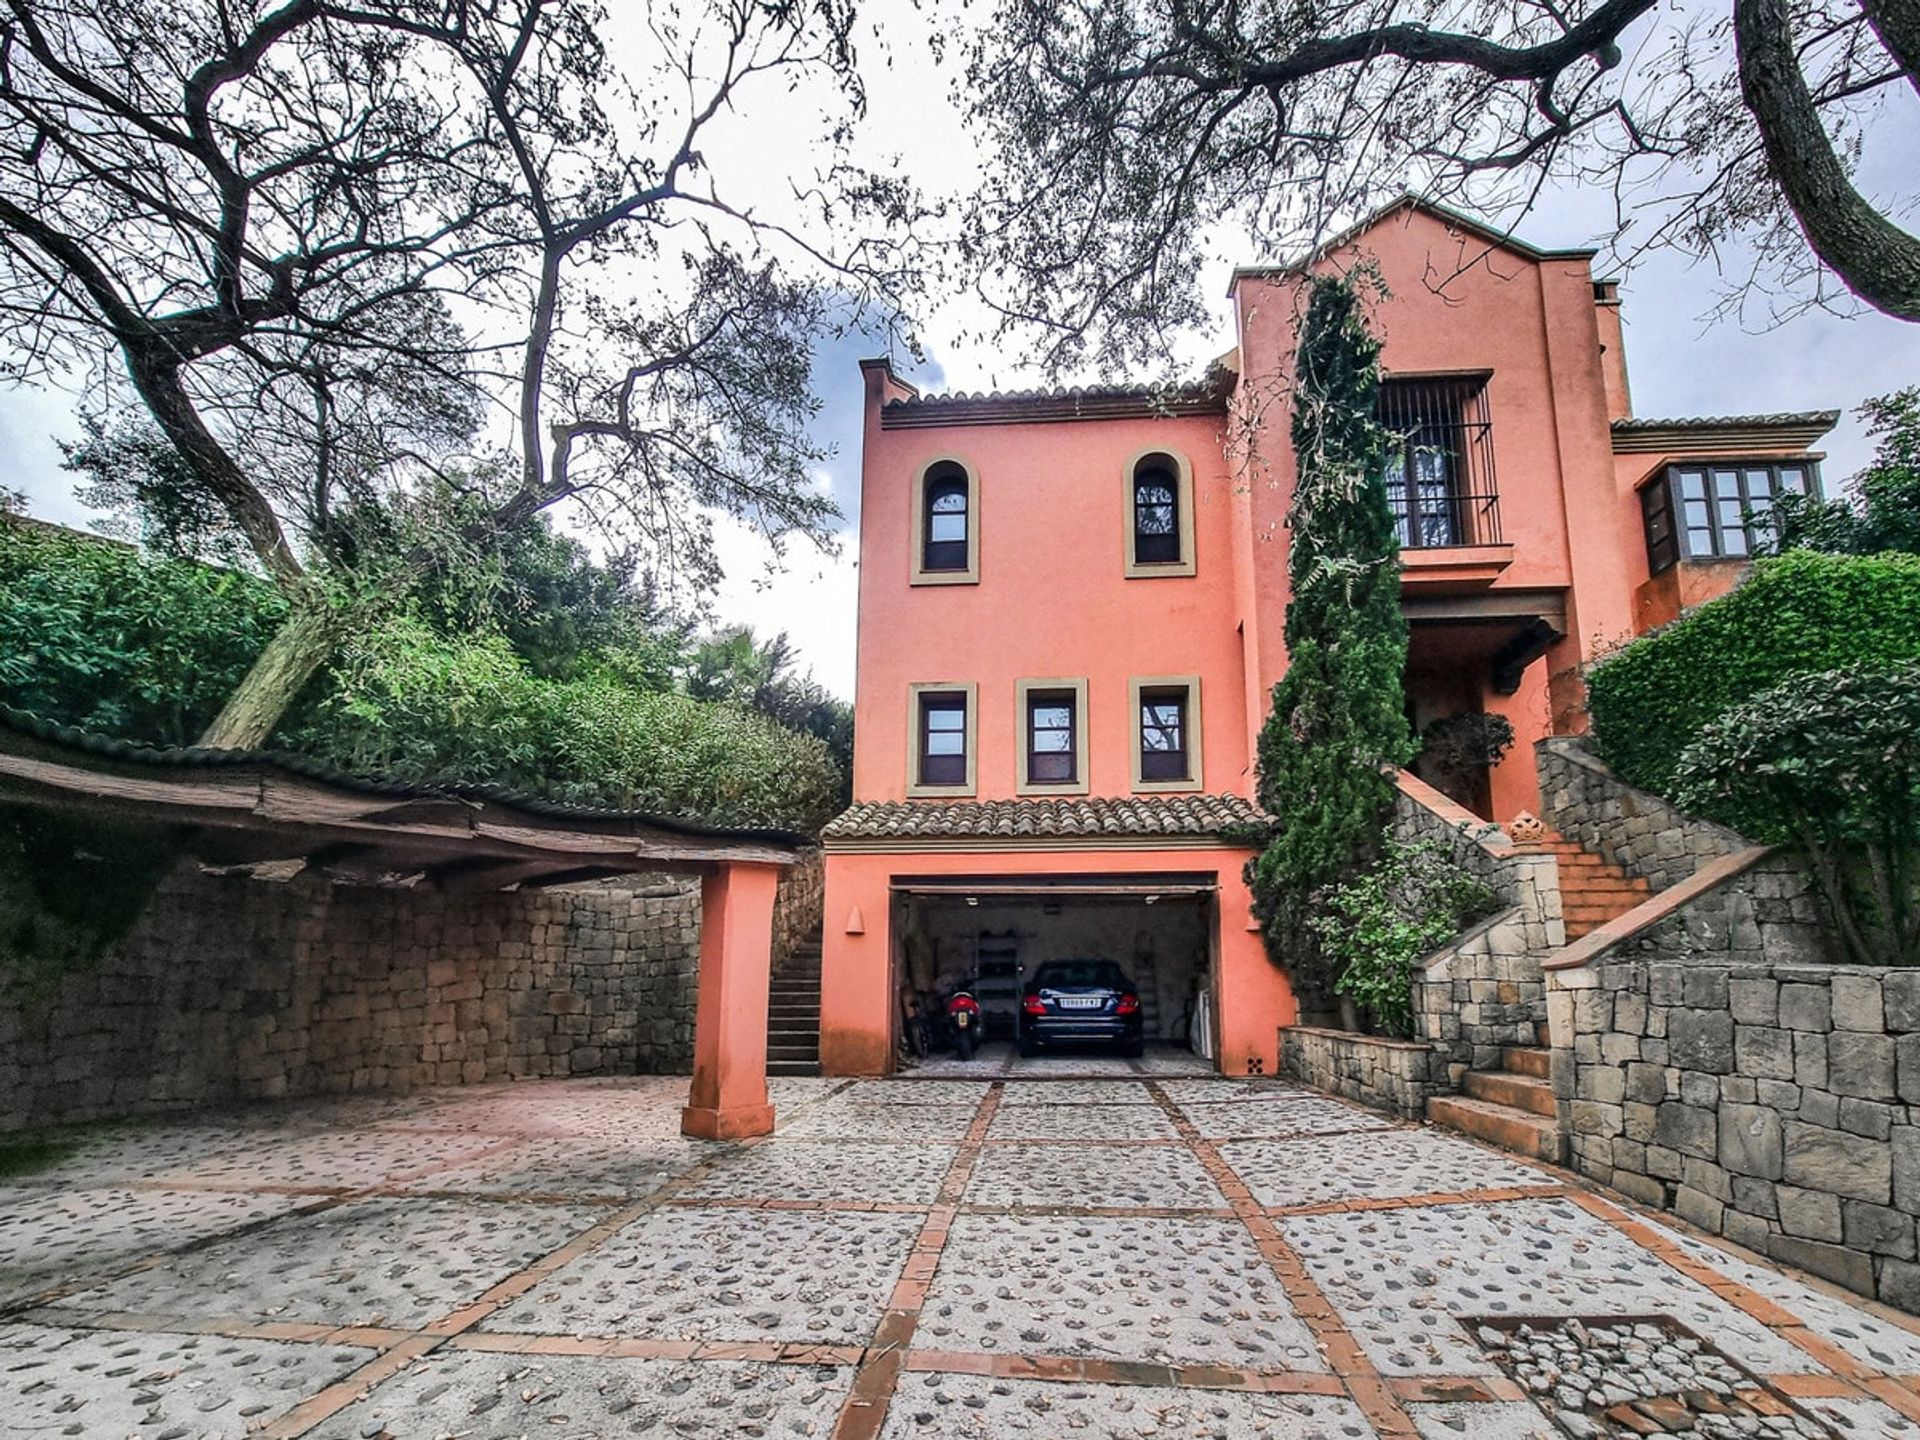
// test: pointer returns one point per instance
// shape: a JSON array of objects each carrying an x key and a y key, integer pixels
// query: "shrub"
[
  {"x": 104, "y": 638},
  {"x": 1796, "y": 613},
  {"x": 1830, "y": 762},
  {"x": 1376, "y": 927},
  {"x": 408, "y": 704},
  {"x": 1337, "y": 719}
]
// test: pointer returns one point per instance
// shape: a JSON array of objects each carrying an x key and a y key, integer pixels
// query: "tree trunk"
[
  {"x": 300, "y": 647},
  {"x": 1873, "y": 257}
]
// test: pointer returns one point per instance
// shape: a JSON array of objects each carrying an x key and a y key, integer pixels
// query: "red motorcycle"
[{"x": 963, "y": 1019}]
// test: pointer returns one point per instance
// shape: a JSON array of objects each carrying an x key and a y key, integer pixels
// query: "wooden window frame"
[
  {"x": 1661, "y": 498},
  {"x": 1183, "y": 515},
  {"x": 969, "y": 694},
  {"x": 1024, "y": 692},
  {"x": 918, "y": 573},
  {"x": 1138, "y": 689}
]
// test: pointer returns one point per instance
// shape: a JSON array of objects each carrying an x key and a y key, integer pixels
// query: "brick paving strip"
[
  {"x": 1349, "y": 1363},
  {"x": 865, "y": 1410}
]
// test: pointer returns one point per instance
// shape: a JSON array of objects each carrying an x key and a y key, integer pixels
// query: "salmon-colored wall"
[
  {"x": 857, "y": 989},
  {"x": 1053, "y": 600}
]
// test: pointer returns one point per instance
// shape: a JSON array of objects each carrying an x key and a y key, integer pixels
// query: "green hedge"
[
  {"x": 1798, "y": 612},
  {"x": 97, "y": 635}
]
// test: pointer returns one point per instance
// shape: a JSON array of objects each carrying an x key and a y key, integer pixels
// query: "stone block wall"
[
  {"x": 1484, "y": 991},
  {"x": 1776, "y": 1103},
  {"x": 799, "y": 909},
  {"x": 1392, "y": 1075},
  {"x": 1634, "y": 829},
  {"x": 232, "y": 989}
]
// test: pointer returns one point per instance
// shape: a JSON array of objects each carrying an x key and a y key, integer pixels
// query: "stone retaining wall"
[
  {"x": 1634, "y": 829},
  {"x": 233, "y": 989},
  {"x": 799, "y": 910},
  {"x": 1777, "y": 1104},
  {"x": 1484, "y": 990},
  {"x": 1392, "y": 1075}
]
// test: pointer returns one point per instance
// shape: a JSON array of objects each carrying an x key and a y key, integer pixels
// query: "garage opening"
[{"x": 994, "y": 937}]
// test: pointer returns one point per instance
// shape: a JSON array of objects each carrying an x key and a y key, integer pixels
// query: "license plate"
[
  {"x": 963, "y": 1019},
  {"x": 1079, "y": 1002}
]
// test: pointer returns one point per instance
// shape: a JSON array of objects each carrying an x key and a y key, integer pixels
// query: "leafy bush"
[
  {"x": 1829, "y": 762},
  {"x": 408, "y": 704},
  {"x": 1337, "y": 718},
  {"x": 99, "y": 636},
  {"x": 1883, "y": 510},
  {"x": 1376, "y": 926},
  {"x": 1796, "y": 613}
]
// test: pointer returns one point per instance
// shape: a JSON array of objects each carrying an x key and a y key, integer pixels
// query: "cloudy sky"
[{"x": 1682, "y": 362}]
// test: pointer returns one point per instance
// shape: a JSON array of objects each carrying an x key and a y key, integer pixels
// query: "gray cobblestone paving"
[
  {"x": 505, "y": 1397},
  {"x": 745, "y": 1300},
  {"x": 968, "y": 1407},
  {"x": 1180, "y": 1291},
  {"x": 696, "y": 1274},
  {"x": 1103, "y": 1175},
  {"x": 396, "y": 1262},
  {"x": 1409, "y": 1282},
  {"x": 99, "y": 1384}
]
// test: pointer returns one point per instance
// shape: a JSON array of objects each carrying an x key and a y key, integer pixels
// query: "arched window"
[
  {"x": 944, "y": 540},
  {"x": 1156, "y": 512}
]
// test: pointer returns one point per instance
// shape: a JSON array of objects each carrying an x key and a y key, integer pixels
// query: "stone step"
[
  {"x": 793, "y": 1067},
  {"x": 795, "y": 1009},
  {"x": 1518, "y": 1131},
  {"x": 1521, "y": 1092},
  {"x": 793, "y": 1052},
  {"x": 1534, "y": 1061}
]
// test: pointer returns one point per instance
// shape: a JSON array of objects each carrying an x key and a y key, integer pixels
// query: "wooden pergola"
[{"x": 272, "y": 814}]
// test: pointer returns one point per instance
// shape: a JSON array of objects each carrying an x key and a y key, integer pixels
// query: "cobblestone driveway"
[{"x": 1057, "y": 1260}]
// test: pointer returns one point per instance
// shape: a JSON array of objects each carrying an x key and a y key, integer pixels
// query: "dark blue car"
[{"x": 1075, "y": 1002}]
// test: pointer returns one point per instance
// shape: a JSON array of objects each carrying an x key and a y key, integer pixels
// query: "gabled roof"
[
  {"x": 1703, "y": 434},
  {"x": 1453, "y": 219},
  {"x": 1144, "y": 818}
]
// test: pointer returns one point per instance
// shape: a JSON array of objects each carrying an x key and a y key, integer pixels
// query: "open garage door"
[{"x": 992, "y": 935}]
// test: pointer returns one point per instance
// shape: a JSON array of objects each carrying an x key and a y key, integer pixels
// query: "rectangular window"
[
  {"x": 1440, "y": 481},
  {"x": 1052, "y": 750},
  {"x": 943, "y": 738},
  {"x": 1718, "y": 509},
  {"x": 1163, "y": 735}
]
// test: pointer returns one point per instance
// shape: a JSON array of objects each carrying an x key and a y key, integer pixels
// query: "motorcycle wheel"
[{"x": 963, "y": 1042}]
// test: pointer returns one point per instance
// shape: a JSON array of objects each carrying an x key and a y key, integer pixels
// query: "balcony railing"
[{"x": 1441, "y": 484}]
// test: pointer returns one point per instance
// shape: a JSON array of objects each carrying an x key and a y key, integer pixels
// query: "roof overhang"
[
  {"x": 1722, "y": 434},
  {"x": 253, "y": 813}
]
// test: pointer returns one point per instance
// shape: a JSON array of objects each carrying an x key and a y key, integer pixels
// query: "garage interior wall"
[{"x": 1161, "y": 947}]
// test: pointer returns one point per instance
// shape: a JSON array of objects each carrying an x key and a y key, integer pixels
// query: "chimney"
[{"x": 1613, "y": 349}]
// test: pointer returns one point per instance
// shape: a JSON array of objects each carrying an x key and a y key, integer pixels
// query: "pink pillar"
[{"x": 729, "y": 1094}]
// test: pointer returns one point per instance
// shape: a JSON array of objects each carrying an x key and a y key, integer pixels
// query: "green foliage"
[
  {"x": 412, "y": 705},
  {"x": 70, "y": 886},
  {"x": 1375, "y": 928},
  {"x": 758, "y": 675},
  {"x": 1795, "y": 613},
  {"x": 1457, "y": 751},
  {"x": 1337, "y": 720},
  {"x": 102, "y": 637},
  {"x": 1830, "y": 762},
  {"x": 1884, "y": 511}
]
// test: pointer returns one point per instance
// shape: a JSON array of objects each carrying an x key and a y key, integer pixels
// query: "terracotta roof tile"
[{"x": 1228, "y": 816}]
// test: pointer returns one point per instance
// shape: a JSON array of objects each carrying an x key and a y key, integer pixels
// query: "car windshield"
[{"x": 1079, "y": 972}]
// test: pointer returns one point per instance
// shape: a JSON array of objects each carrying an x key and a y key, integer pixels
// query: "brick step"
[
  {"x": 1516, "y": 1060},
  {"x": 793, "y": 1067},
  {"x": 1521, "y": 1092},
  {"x": 1522, "y": 1133},
  {"x": 1601, "y": 880}
]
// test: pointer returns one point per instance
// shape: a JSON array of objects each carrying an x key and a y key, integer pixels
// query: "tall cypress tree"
[{"x": 1338, "y": 716}]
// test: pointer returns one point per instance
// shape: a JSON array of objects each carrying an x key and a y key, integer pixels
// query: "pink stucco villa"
[{"x": 1071, "y": 610}]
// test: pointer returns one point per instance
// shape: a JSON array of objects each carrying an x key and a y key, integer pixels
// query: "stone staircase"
[
  {"x": 793, "y": 1015},
  {"x": 1513, "y": 1107}
]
